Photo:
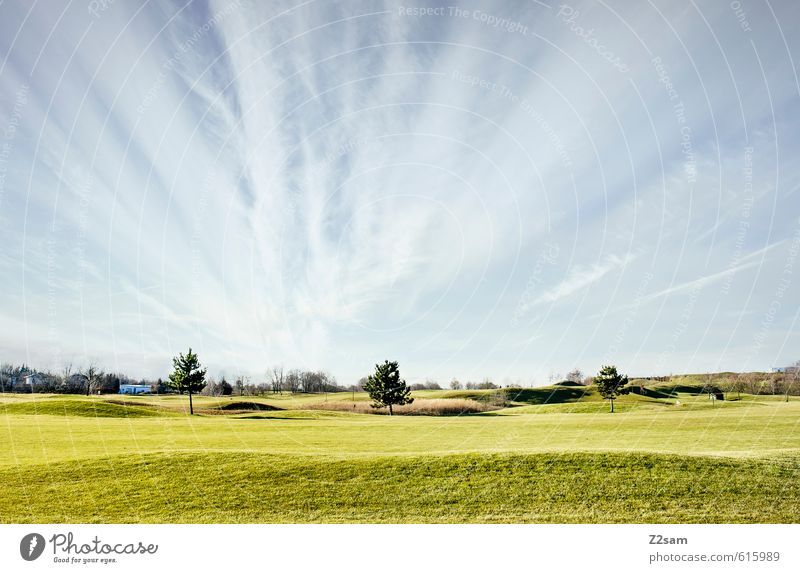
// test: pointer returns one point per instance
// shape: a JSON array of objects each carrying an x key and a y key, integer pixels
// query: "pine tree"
[
  {"x": 611, "y": 384},
  {"x": 386, "y": 388},
  {"x": 187, "y": 375}
]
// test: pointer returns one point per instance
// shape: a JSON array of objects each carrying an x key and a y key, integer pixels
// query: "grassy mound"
[
  {"x": 550, "y": 394},
  {"x": 83, "y": 407},
  {"x": 539, "y": 488}
]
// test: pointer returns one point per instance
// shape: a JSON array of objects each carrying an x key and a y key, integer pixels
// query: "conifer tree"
[
  {"x": 187, "y": 375},
  {"x": 611, "y": 384},
  {"x": 386, "y": 388}
]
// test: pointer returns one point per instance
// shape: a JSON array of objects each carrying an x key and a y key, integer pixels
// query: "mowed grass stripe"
[{"x": 235, "y": 487}]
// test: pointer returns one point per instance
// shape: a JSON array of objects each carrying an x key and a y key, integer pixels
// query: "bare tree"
[
  {"x": 553, "y": 377},
  {"x": 748, "y": 382},
  {"x": 275, "y": 376},
  {"x": 93, "y": 375},
  {"x": 455, "y": 384},
  {"x": 67, "y": 371},
  {"x": 293, "y": 381},
  {"x": 790, "y": 378},
  {"x": 212, "y": 388},
  {"x": 738, "y": 384},
  {"x": 575, "y": 376}
]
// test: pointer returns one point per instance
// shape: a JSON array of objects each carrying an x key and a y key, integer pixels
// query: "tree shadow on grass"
[{"x": 548, "y": 395}]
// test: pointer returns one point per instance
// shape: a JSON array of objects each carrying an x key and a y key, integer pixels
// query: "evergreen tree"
[
  {"x": 386, "y": 388},
  {"x": 611, "y": 384},
  {"x": 187, "y": 375}
]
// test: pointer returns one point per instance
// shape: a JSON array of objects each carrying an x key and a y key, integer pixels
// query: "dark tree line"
[
  {"x": 89, "y": 380},
  {"x": 427, "y": 385},
  {"x": 92, "y": 380},
  {"x": 486, "y": 384}
]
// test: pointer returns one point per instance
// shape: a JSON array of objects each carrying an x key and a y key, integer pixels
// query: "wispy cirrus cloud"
[
  {"x": 326, "y": 183},
  {"x": 581, "y": 277}
]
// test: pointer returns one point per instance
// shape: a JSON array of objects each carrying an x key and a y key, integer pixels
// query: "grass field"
[{"x": 549, "y": 455}]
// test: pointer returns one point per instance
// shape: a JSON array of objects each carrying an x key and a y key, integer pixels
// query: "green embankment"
[{"x": 249, "y": 487}]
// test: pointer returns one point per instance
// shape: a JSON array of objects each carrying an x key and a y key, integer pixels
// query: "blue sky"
[{"x": 477, "y": 189}]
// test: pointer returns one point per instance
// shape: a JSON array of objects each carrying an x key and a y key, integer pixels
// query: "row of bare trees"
[
  {"x": 786, "y": 383},
  {"x": 296, "y": 380},
  {"x": 485, "y": 384},
  {"x": 277, "y": 381}
]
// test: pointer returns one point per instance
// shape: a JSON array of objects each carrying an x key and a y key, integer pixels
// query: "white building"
[{"x": 134, "y": 389}]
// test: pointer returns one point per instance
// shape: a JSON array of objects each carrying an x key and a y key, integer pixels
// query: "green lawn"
[{"x": 141, "y": 459}]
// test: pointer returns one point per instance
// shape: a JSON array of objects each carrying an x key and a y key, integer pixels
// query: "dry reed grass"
[{"x": 420, "y": 407}]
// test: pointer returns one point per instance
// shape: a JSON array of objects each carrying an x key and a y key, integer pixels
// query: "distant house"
[
  {"x": 77, "y": 380},
  {"x": 134, "y": 389},
  {"x": 31, "y": 379},
  {"x": 779, "y": 369}
]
